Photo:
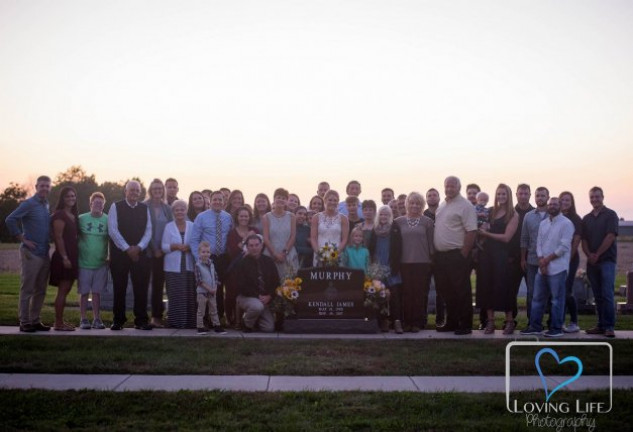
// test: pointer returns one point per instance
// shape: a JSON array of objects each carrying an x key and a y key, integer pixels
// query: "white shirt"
[
  {"x": 117, "y": 237},
  {"x": 172, "y": 258},
  {"x": 554, "y": 237},
  {"x": 453, "y": 219}
]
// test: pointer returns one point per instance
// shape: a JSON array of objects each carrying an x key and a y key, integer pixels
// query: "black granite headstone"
[{"x": 331, "y": 301}]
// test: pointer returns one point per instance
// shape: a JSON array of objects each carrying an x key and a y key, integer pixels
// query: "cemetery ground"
[{"x": 224, "y": 410}]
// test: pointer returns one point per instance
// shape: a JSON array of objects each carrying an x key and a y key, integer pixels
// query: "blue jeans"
[
  {"x": 546, "y": 285},
  {"x": 530, "y": 275},
  {"x": 602, "y": 279},
  {"x": 570, "y": 301}
]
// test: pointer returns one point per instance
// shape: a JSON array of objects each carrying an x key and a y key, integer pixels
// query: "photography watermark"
[{"x": 563, "y": 375}]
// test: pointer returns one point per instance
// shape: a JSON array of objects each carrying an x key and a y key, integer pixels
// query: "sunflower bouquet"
[
  {"x": 376, "y": 293},
  {"x": 287, "y": 295},
  {"x": 329, "y": 255}
]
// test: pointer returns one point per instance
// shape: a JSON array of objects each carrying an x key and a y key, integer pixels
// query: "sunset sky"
[{"x": 253, "y": 95}]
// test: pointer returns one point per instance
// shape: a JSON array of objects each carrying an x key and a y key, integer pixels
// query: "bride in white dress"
[{"x": 329, "y": 226}]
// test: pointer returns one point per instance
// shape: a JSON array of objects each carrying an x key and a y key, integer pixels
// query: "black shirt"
[
  {"x": 596, "y": 228},
  {"x": 257, "y": 277}
]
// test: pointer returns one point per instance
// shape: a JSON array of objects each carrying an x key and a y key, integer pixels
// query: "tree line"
[{"x": 74, "y": 176}]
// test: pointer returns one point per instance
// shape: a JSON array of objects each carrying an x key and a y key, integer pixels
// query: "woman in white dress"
[
  {"x": 329, "y": 226},
  {"x": 279, "y": 235}
]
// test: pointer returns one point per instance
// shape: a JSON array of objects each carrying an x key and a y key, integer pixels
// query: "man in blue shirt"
[
  {"x": 30, "y": 224},
  {"x": 213, "y": 225}
]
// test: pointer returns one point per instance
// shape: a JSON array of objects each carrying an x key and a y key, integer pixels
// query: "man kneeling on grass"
[{"x": 257, "y": 279}]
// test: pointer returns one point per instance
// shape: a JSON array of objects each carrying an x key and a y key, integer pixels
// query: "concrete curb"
[
  {"x": 274, "y": 383},
  {"x": 422, "y": 335}
]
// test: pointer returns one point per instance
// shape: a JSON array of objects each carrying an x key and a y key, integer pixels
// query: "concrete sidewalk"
[
  {"x": 263, "y": 383},
  {"x": 424, "y": 334}
]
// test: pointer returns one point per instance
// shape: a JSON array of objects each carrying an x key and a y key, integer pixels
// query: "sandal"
[
  {"x": 64, "y": 327},
  {"x": 509, "y": 328},
  {"x": 490, "y": 327}
]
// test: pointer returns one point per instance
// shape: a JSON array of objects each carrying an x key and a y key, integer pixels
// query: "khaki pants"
[
  {"x": 203, "y": 301},
  {"x": 34, "y": 279},
  {"x": 255, "y": 312}
]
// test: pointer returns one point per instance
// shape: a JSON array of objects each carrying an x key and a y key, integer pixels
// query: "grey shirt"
[
  {"x": 529, "y": 234},
  {"x": 417, "y": 241}
]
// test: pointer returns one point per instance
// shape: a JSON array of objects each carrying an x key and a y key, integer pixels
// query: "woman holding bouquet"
[
  {"x": 385, "y": 248},
  {"x": 329, "y": 226}
]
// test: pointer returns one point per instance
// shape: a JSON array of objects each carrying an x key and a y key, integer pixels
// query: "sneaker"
[
  {"x": 27, "y": 328},
  {"x": 202, "y": 331},
  {"x": 143, "y": 326},
  {"x": 98, "y": 324},
  {"x": 41, "y": 327},
  {"x": 571, "y": 328},
  {"x": 116, "y": 327},
  {"x": 219, "y": 330},
  {"x": 553, "y": 333},
  {"x": 595, "y": 331},
  {"x": 530, "y": 331},
  {"x": 609, "y": 333},
  {"x": 84, "y": 324},
  {"x": 397, "y": 327}
]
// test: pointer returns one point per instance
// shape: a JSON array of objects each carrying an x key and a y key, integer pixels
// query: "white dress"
[
  {"x": 329, "y": 231},
  {"x": 279, "y": 231}
]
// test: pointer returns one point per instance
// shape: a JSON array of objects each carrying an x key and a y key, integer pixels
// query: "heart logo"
[{"x": 567, "y": 359}]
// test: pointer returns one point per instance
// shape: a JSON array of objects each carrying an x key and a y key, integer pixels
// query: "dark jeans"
[
  {"x": 121, "y": 266},
  {"x": 158, "y": 283},
  {"x": 416, "y": 282},
  {"x": 570, "y": 299},
  {"x": 602, "y": 279},
  {"x": 452, "y": 279}
]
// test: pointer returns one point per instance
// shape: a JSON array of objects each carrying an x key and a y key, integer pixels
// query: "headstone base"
[{"x": 331, "y": 326}]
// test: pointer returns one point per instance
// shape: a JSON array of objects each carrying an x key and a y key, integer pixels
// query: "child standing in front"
[
  {"x": 206, "y": 286},
  {"x": 356, "y": 255}
]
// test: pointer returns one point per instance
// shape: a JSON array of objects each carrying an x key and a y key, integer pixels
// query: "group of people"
[{"x": 221, "y": 260}]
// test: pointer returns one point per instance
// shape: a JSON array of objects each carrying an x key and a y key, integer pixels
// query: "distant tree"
[
  {"x": 10, "y": 198},
  {"x": 113, "y": 191},
  {"x": 83, "y": 183}
]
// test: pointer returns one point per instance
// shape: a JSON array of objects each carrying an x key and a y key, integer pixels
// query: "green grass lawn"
[
  {"x": 235, "y": 411},
  {"x": 230, "y": 356}
]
